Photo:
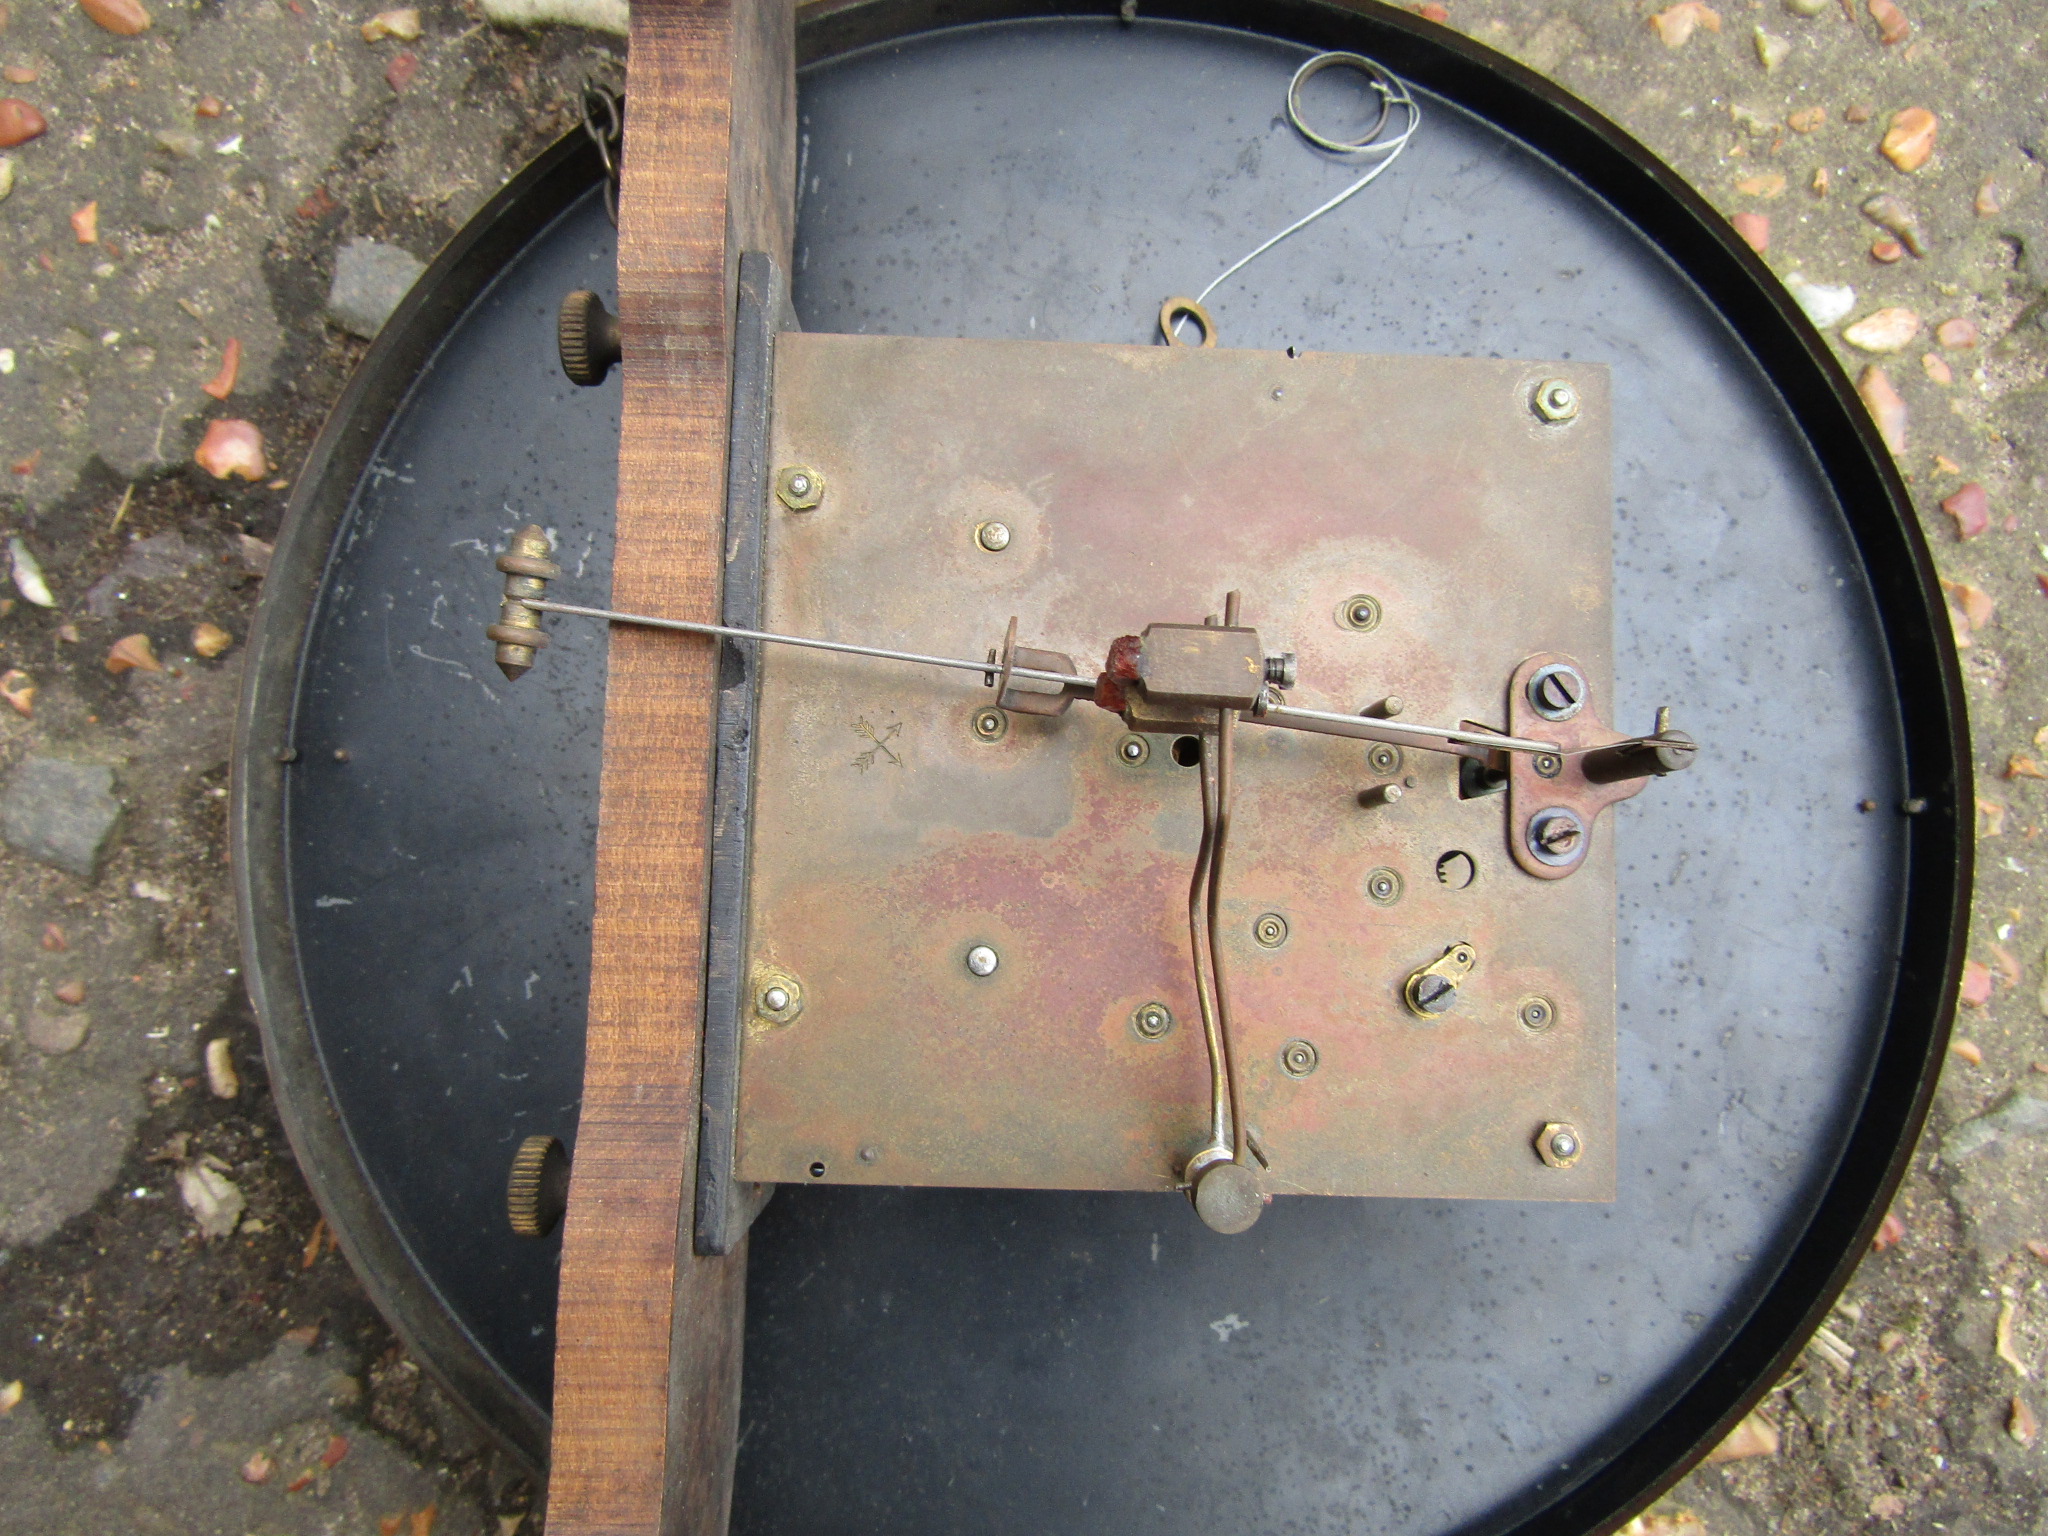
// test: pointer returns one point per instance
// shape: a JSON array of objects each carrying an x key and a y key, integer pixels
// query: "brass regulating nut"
[
  {"x": 1556, "y": 401},
  {"x": 1559, "y": 1144},
  {"x": 799, "y": 487},
  {"x": 528, "y": 570},
  {"x": 537, "y": 1192},
  {"x": 1432, "y": 991}
]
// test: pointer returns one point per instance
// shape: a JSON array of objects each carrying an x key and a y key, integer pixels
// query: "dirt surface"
[{"x": 177, "y": 1381}]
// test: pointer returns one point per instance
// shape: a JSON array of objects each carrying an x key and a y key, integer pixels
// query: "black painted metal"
[
  {"x": 724, "y": 1205},
  {"x": 939, "y": 1360}
]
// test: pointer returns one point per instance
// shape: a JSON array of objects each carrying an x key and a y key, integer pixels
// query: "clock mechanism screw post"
[
  {"x": 993, "y": 537},
  {"x": 1559, "y": 1144},
  {"x": 982, "y": 960},
  {"x": 1556, "y": 401},
  {"x": 528, "y": 570}
]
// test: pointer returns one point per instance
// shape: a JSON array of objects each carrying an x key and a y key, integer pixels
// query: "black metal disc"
[{"x": 416, "y": 912}]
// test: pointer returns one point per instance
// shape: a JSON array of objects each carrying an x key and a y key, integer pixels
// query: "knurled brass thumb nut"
[{"x": 587, "y": 336}]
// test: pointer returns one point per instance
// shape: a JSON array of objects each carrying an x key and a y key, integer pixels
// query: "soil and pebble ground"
[{"x": 205, "y": 205}]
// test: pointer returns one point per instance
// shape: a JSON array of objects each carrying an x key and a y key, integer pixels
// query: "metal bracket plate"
[{"x": 893, "y": 835}]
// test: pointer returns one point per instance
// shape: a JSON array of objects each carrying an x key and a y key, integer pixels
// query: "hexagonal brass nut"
[
  {"x": 767, "y": 979},
  {"x": 799, "y": 487},
  {"x": 1549, "y": 1134},
  {"x": 1556, "y": 401}
]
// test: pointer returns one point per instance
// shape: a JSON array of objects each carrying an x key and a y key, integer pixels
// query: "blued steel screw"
[{"x": 1434, "y": 993}]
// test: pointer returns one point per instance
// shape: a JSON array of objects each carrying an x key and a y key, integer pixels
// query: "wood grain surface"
[{"x": 647, "y": 1359}]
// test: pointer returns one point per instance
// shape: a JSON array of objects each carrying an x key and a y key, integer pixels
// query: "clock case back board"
[{"x": 890, "y": 836}]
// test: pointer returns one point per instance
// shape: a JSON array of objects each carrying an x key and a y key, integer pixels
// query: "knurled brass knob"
[
  {"x": 538, "y": 1191},
  {"x": 587, "y": 336}
]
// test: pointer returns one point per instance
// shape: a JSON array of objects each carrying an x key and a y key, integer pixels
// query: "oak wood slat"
[{"x": 647, "y": 1358}]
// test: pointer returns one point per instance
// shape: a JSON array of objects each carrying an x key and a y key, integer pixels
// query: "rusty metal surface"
[{"x": 1139, "y": 484}]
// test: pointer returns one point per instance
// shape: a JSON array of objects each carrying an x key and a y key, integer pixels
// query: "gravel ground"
[{"x": 173, "y": 1380}]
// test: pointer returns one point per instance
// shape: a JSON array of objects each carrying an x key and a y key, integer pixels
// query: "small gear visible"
[
  {"x": 587, "y": 336},
  {"x": 538, "y": 1190}
]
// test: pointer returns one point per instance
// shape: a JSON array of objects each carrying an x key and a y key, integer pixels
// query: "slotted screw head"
[
  {"x": 1557, "y": 692},
  {"x": 1433, "y": 994},
  {"x": 1557, "y": 836}
]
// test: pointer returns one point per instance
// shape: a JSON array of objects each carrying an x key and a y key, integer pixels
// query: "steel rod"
[{"x": 1396, "y": 732}]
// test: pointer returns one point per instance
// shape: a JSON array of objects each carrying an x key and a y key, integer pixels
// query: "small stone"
[
  {"x": 179, "y": 143},
  {"x": 209, "y": 640},
  {"x": 20, "y": 122},
  {"x": 19, "y": 74},
  {"x": 123, "y": 17},
  {"x": 1674, "y": 27},
  {"x": 1887, "y": 1506},
  {"x": 254, "y": 553},
  {"x": 1807, "y": 119},
  {"x": 1971, "y": 508},
  {"x": 232, "y": 449},
  {"x": 2018, "y": 1114},
  {"x": 208, "y": 106},
  {"x": 19, "y": 690},
  {"x": 398, "y": 74},
  {"x": 1910, "y": 139},
  {"x": 1770, "y": 184},
  {"x": 1936, "y": 369},
  {"x": 1825, "y": 304},
  {"x": 370, "y": 278},
  {"x": 1820, "y": 181},
  {"x": 1754, "y": 1436},
  {"x": 1886, "y": 408},
  {"x": 1887, "y": 251},
  {"x": 85, "y": 224},
  {"x": 1889, "y": 1341},
  {"x": 1771, "y": 50},
  {"x": 58, "y": 1034},
  {"x": 1859, "y": 112},
  {"x": 60, "y": 811},
  {"x": 221, "y": 1077},
  {"x": 71, "y": 993},
  {"x": 1884, "y": 330},
  {"x": 1889, "y": 1233},
  {"x": 1806, "y": 7},
  {"x": 1755, "y": 229},
  {"x": 1892, "y": 26},
  {"x": 10, "y": 1398},
  {"x": 214, "y": 1201},
  {"x": 1891, "y": 214},
  {"x": 1968, "y": 1051},
  {"x": 1974, "y": 604},
  {"x": 2021, "y": 1424},
  {"x": 53, "y": 939},
  {"x": 1990, "y": 198},
  {"x": 1956, "y": 334},
  {"x": 258, "y": 1467},
  {"x": 1976, "y": 984},
  {"x": 222, "y": 384},
  {"x": 132, "y": 653},
  {"x": 6, "y": 176},
  {"x": 403, "y": 25}
]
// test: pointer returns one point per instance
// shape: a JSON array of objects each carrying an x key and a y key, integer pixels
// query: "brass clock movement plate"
[{"x": 968, "y": 933}]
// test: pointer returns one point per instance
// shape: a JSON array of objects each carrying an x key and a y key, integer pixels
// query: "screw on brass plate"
[
  {"x": 1559, "y": 1144},
  {"x": 1558, "y": 691},
  {"x": 1133, "y": 749},
  {"x": 1557, "y": 836},
  {"x": 1383, "y": 886},
  {"x": 1380, "y": 757},
  {"x": 1270, "y": 930},
  {"x": 993, "y": 537},
  {"x": 1537, "y": 1013},
  {"x": 798, "y": 488},
  {"x": 1298, "y": 1058},
  {"x": 1548, "y": 765},
  {"x": 1151, "y": 1021},
  {"x": 1433, "y": 990},
  {"x": 991, "y": 724},
  {"x": 778, "y": 998},
  {"x": 1556, "y": 401},
  {"x": 869, "y": 1154},
  {"x": 1359, "y": 612},
  {"x": 982, "y": 960}
]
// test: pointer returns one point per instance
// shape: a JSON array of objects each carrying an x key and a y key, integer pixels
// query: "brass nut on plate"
[
  {"x": 1556, "y": 401},
  {"x": 1133, "y": 749},
  {"x": 1559, "y": 1144},
  {"x": 1298, "y": 1058},
  {"x": 1359, "y": 612},
  {"x": 1383, "y": 757},
  {"x": 1151, "y": 1021},
  {"x": 1548, "y": 765},
  {"x": 799, "y": 487},
  {"x": 991, "y": 724},
  {"x": 1383, "y": 886},
  {"x": 1537, "y": 1013},
  {"x": 778, "y": 996},
  {"x": 1270, "y": 930}
]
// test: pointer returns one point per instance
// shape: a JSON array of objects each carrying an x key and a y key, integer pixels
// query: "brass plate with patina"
[{"x": 1138, "y": 484}]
